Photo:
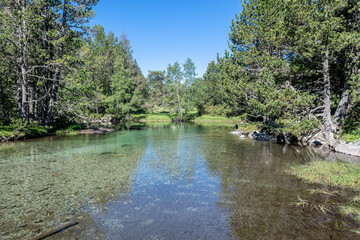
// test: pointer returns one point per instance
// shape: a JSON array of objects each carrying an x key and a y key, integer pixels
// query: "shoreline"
[{"x": 52, "y": 132}]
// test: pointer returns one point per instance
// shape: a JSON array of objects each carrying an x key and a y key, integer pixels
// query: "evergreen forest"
[{"x": 293, "y": 64}]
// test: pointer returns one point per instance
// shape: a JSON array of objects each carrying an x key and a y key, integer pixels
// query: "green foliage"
[
  {"x": 218, "y": 110},
  {"x": 36, "y": 131},
  {"x": 19, "y": 124},
  {"x": 54, "y": 67},
  {"x": 108, "y": 81},
  {"x": 69, "y": 129},
  {"x": 156, "y": 91},
  {"x": 276, "y": 67},
  {"x": 20, "y": 128},
  {"x": 7, "y": 131},
  {"x": 352, "y": 123},
  {"x": 351, "y": 137},
  {"x": 179, "y": 97}
]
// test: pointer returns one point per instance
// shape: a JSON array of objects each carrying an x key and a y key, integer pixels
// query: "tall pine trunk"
[
  {"x": 55, "y": 84},
  {"x": 22, "y": 64},
  {"x": 327, "y": 122},
  {"x": 179, "y": 101}
]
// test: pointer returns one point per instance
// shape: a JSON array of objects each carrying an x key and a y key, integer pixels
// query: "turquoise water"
[{"x": 161, "y": 182}]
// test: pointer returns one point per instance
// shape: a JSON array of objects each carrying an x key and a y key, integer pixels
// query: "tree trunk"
[
  {"x": 327, "y": 122},
  {"x": 345, "y": 100},
  {"x": 55, "y": 84},
  {"x": 53, "y": 97},
  {"x": 22, "y": 62},
  {"x": 342, "y": 108},
  {"x": 179, "y": 101},
  {"x": 42, "y": 103}
]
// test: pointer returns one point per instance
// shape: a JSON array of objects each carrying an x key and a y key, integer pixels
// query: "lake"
[{"x": 159, "y": 182}]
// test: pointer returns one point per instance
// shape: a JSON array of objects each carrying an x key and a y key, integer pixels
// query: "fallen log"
[{"x": 54, "y": 231}]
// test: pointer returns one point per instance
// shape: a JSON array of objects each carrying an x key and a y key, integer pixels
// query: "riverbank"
[
  {"x": 13, "y": 133},
  {"x": 192, "y": 117},
  {"x": 329, "y": 179},
  {"x": 245, "y": 128}
]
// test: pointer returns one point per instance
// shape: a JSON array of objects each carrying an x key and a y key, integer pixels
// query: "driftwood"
[{"x": 54, "y": 231}]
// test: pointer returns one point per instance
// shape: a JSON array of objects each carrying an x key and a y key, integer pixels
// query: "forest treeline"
[{"x": 294, "y": 63}]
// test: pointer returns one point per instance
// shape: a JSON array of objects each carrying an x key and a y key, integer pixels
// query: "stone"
[
  {"x": 238, "y": 133},
  {"x": 352, "y": 148},
  {"x": 280, "y": 138},
  {"x": 265, "y": 136},
  {"x": 253, "y": 135}
]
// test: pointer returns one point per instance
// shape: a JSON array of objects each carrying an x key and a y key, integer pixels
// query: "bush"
[{"x": 19, "y": 124}]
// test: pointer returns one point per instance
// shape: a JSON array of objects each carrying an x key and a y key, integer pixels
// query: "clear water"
[{"x": 163, "y": 182}]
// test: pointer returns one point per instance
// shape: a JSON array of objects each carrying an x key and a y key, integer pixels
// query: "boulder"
[
  {"x": 239, "y": 133},
  {"x": 352, "y": 148},
  {"x": 253, "y": 135},
  {"x": 280, "y": 139},
  {"x": 265, "y": 136}
]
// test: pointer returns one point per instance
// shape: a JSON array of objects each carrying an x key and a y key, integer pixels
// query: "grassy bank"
[
  {"x": 22, "y": 130},
  {"x": 212, "y": 118},
  {"x": 205, "y": 119},
  {"x": 339, "y": 176},
  {"x": 8, "y": 133},
  {"x": 166, "y": 117},
  {"x": 11, "y": 133},
  {"x": 153, "y": 117},
  {"x": 350, "y": 137}
]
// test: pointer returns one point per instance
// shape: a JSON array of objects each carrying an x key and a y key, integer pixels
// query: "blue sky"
[{"x": 165, "y": 31}]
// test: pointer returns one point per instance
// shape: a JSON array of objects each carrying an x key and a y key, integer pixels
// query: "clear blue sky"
[{"x": 165, "y": 31}]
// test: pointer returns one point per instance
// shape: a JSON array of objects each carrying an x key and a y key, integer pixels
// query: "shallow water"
[{"x": 163, "y": 182}]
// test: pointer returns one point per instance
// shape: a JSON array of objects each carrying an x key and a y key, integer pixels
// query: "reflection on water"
[{"x": 163, "y": 182}]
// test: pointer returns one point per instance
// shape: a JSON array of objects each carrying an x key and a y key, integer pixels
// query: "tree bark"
[
  {"x": 179, "y": 101},
  {"x": 345, "y": 99},
  {"x": 22, "y": 62},
  {"x": 55, "y": 84},
  {"x": 327, "y": 122}
]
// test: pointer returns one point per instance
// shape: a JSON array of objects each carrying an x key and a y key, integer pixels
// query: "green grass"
[
  {"x": 34, "y": 130},
  {"x": 66, "y": 132},
  {"x": 339, "y": 174},
  {"x": 212, "y": 118},
  {"x": 203, "y": 120},
  {"x": 348, "y": 137},
  {"x": 153, "y": 117},
  {"x": 71, "y": 130}
]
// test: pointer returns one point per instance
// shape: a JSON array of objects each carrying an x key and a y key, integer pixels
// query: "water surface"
[{"x": 163, "y": 182}]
